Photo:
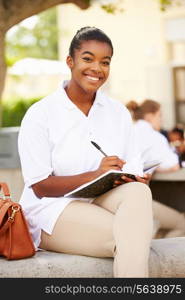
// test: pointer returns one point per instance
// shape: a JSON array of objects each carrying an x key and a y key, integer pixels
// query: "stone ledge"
[
  {"x": 166, "y": 260},
  {"x": 178, "y": 175}
]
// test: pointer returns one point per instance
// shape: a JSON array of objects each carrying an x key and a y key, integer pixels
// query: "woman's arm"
[{"x": 55, "y": 186}]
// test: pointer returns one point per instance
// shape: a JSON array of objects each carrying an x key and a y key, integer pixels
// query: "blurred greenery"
[
  {"x": 14, "y": 110},
  {"x": 11, "y": 60},
  {"x": 165, "y": 4},
  {"x": 39, "y": 41}
]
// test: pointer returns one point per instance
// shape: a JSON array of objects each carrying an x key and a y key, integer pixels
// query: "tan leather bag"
[{"x": 15, "y": 239}]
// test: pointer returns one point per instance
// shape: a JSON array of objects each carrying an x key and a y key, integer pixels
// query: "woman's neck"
[{"x": 80, "y": 98}]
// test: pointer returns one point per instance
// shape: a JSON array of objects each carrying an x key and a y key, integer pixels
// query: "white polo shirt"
[
  {"x": 153, "y": 145},
  {"x": 55, "y": 137}
]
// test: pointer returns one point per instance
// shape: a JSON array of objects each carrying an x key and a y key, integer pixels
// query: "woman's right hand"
[{"x": 110, "y": 163}]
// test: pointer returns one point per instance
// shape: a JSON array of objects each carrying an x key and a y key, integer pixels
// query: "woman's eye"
[
  {"x": 106, "y": 63},
  {"x": 88, "y": 59}
]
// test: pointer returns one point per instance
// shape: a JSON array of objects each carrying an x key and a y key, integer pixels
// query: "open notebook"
[{"x": 103, "y": 183}]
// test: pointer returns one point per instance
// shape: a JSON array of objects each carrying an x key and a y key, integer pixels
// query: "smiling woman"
[
  {"x": 89, "y": 68},
  {"x": 57, "y": 157},
  {"x": 89, "y": 59}
]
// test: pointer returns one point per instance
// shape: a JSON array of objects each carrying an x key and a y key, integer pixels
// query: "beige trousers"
[
  {"x": 169, "y": 219},
  {"x": 117, "y": 224}
]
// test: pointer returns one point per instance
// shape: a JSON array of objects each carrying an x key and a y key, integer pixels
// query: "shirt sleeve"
[
  {"x": 166, "y": 155},
  {"x": 34, "y": 146}
]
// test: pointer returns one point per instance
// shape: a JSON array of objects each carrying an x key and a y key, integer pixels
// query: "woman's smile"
[{"x": 93, "y": 78}]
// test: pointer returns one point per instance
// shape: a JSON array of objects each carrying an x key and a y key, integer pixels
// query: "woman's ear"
[{"x": 69, "y": 61}]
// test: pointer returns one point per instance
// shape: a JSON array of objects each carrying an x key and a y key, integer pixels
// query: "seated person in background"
[
  {"x": 177, "y": 141},
  {"x": 164, "y": 132},
  {"x": 155, "y": 147},
  {"x": 152, "y": 143}
]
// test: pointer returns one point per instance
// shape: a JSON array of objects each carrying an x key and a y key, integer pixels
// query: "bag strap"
[
  {"x": 5, "y": 189},
  {"x": 6, "y": 226},
  {"x": 4, "y": 208}
]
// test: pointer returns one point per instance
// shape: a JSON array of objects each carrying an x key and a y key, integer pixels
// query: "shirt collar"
[
  {"x": 144, "y": 123},
  {"x": 100, "y": 98}
]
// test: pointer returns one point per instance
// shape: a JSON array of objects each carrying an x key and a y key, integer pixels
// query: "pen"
[{"x": 99, "y": 148}]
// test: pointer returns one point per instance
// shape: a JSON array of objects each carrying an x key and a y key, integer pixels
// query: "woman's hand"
[
  {"x": 145, "y": 179},
  {"x": 110, "y": 163}
]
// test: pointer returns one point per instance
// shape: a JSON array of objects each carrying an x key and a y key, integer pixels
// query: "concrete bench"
[{"x": 167, "y": 259}]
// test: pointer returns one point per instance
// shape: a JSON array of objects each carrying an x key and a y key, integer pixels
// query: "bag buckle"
[{"x": 15, "y": 209}]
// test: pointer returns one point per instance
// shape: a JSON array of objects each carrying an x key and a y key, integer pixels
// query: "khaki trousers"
[
  {"x": 169, "y": 219},
  {"x": 117, "y": 224}
]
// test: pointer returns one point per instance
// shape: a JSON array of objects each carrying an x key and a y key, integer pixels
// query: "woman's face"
[
  {"x": 174, "y": 136},
  {"x": 90, "y": 65}
]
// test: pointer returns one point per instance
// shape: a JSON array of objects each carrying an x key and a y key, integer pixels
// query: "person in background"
[
  {"x": 164, "y": 132},
  {"x": 177, "y": 142},
  {"x": 154, "y": 146}
]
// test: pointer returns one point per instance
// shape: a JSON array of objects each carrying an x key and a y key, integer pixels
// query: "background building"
[{"x": 149, "y": 51}]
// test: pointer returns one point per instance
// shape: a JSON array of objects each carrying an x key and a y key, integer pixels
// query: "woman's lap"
[
  {"x": 87, "y": 228},
  {"x": 82, "y": 228}
]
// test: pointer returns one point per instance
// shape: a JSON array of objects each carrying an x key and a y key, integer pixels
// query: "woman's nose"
[{"x": 96, "y": 67}]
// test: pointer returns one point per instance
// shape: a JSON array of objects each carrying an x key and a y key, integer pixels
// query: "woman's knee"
[
  {"x": 142, "y": 191},
  {"x": 137, "y": 190},
  {"x": 137, "y": 197},
  {"x": 142, "y": 187}
]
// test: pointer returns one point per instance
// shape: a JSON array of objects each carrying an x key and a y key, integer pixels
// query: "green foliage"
[
  {"x": 111, "y": 8},
  {"x": 11, "y": 60},
  {"x": 14, "y": 111},
  {"x": 164, "y": 4},
  {"x": 114, "y": 7},
  {"x": 41, "y": 41},
  {"x": 117, "y": 5}
]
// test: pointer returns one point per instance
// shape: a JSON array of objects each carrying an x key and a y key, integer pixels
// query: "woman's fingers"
[
  {"x": 112, "y": 162},
  {"x": 127, "y": 179},
  {"x": 145, "y": 179}
]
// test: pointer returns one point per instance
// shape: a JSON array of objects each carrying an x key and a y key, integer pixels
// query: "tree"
[
  {"x": 14, "y": 11},
  {"x": 38, "y": 40}
]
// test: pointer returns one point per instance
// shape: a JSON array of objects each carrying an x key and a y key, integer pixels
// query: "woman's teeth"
[{"x": 93, "y": 78}]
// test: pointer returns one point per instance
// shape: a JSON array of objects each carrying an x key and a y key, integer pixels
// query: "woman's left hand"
[{"x": 145, "y": 179}]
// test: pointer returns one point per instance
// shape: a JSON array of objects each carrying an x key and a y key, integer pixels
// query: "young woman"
[
  {"x": 57, "y": 157},
  {"x": 154, "y": 146},
  {"x": 147, "y": 117}
]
